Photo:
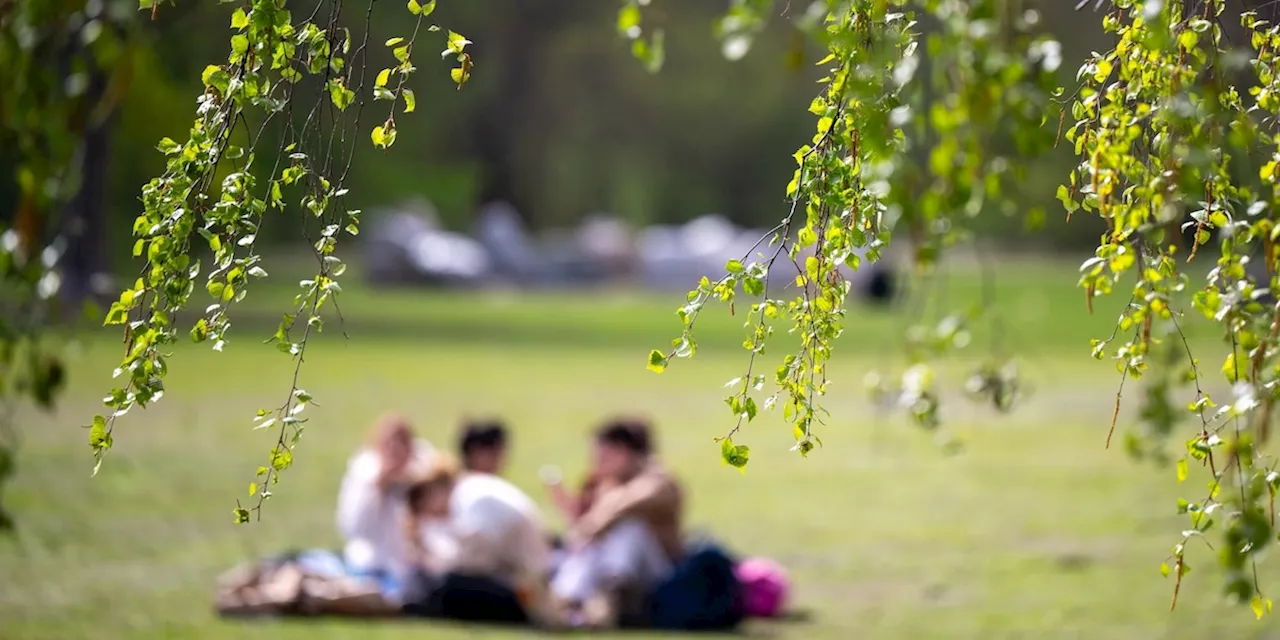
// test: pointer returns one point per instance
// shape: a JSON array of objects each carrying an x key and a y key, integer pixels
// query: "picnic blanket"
[
  {"x": 702, "y": 593},
  {"x": 299, "y": 584}
]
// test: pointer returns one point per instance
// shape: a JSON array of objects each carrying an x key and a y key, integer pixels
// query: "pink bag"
[{"x": 764, "y": 587}]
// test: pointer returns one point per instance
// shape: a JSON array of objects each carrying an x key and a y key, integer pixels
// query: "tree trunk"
[{"x": 85, "y": 265}]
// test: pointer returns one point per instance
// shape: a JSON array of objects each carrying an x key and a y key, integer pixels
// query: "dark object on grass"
[
  {"x": 701, "y": 594},
  {"x": 461, "y": 597}
]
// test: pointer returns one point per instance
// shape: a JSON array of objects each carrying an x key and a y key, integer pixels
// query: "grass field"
[{"x": 1032, "y": 531}]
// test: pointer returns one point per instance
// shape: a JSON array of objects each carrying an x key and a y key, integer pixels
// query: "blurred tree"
[{"x": 65, "y": 67}]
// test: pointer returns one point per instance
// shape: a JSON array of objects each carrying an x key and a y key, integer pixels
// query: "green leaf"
[
  {"x": 200, "y": 332},
  {"x": 394, "y": 41},
  {"x": 752, "y": 286},
  {"x": 428, "y": 8},
  {"x": 1064, "y": 196},
  {"x": 459, "y": 75},
  {"x": 651, "y": 53},
  {"x": 733, "y": 455},
  {"x": 281, "y": 459},
  {"x": 253, "y": 488},
  {"x": 410, "y": 102},
  {"x": 456, "y": 43},
  {"x": 277, "y": 198},
  {"x": 1188, "y": 40},
  {"x": 216, "y": 78},
  {"x": 168, "y": 147},
  {"x": 239, "y": 19},
  {"x": 1261, "y": 606},
  {"x": 657, "y": 361},
  {"x": 379, "y": 137},
  {"x": 342, "y": 96},
  {"x": 216, "y": 289},
  {"x": 414, "y": 7},
  {"x": 733, "y": 266},
  {"x": 1182, "y": 470},
  {"x": 383, "y": 77},
  {"x": 242, "y": 515},
  {"x": 629, "y": 21},
  {"x": 1230, "y": 370},
  {"x": 1164, "y": 569},
  {"x": 99, "y": 438},
  {"x": 117, "y": 314},
  {"x": 1104, "y": 70}
]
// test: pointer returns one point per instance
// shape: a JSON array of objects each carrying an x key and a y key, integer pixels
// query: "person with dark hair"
[
  {"x": 483, "y": 446},
  {"x": 629, "y": 536}
]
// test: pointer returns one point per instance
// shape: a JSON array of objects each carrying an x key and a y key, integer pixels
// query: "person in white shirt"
[
  {"x": 499, "y": 531},
  {"x": 371, "y": 501},
  {"x": 473, "y": 527}
]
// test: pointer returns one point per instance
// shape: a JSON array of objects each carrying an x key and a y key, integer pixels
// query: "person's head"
[
  {"x": 483, "y": 446},
  {"x": 428, "y": 496},
  {"x": 621, "y": 447},
  {"x": 392, "y": 440}
]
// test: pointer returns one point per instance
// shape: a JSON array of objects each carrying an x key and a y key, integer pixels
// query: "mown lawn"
[{"x": 1033, "y": 530}]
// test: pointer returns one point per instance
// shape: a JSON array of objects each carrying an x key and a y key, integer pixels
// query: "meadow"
[{"x": 1031, "y": 530}]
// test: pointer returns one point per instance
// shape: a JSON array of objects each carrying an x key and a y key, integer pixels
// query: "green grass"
[{"x": 1034, "y": 530}]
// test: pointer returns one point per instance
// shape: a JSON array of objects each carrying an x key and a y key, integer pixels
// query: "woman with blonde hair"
[{"x": 371, "y": 502}]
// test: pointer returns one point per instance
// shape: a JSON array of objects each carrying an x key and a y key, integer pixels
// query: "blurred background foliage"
[{"x": 560, "y": 119}]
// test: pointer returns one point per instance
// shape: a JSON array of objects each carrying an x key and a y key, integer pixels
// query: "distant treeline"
[{"x": 558, "y": 118}]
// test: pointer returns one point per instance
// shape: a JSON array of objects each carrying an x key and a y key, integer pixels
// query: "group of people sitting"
[{"x": 448, "y": 536}]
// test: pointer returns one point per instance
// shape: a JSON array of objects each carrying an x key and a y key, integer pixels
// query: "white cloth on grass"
[{"x": 628, "y": 553}]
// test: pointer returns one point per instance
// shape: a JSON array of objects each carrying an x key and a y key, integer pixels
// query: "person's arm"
[
  {"x": 647, "y": 492},
  {"x": 563, "y": 501},
  {"x": 359, "y": 499},
  {"x": 566, "y": 503}
]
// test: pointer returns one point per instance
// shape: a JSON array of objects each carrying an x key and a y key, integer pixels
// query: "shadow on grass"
[{"x": 754, "y": 628}]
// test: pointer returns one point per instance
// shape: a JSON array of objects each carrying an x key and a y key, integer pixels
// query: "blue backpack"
[{"x": 701, "y": 594}]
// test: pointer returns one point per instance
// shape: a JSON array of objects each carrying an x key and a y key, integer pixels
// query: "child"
[{"x": 431, "y": 547}]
